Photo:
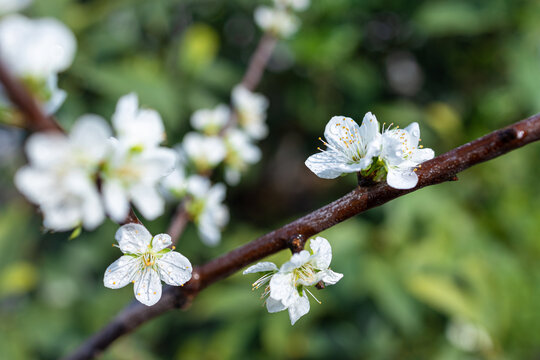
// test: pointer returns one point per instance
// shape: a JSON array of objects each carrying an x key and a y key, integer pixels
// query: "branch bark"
[{"x": 440, "y": 169}]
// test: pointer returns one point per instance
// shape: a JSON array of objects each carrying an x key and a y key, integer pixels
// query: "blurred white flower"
[
  {"x": 207, "y": 209},
  {"x": 137, "y": 127},
  {"x": 401, "y": 154},
  {"x": 211, "y": 121},
  {"x": 206, "y": 152},
  {"x": 297, "y": 5},
  {"x": 241, "y": 152},
  {"x": 287, "y": 287},
  {"x": 350, "y": 148},
  {"x": 9, "y": 6},
  {"x": 35, "y": 48},
  {"x": 147, "y": 262},
  {"x": 136, "y": 164},
  {"x": 131, "y": 174},
  {"x": 60, "y": 176},
  {"x": 277, "y": 21},
  {"x": 175, "y": 184},
  {"x": 35, "y": 51},
  {"x": 467, "y": 336},
  {"x": 251, "y": 111}
]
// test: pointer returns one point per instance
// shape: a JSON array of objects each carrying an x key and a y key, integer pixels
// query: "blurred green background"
[{"x": 448, "y": 272}]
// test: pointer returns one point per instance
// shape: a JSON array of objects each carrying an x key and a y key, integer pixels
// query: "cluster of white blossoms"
[
  {"x": 146, "y": 262},
  {"x": 64, "y": 170},
  {"x": 287, "y": 287},
  {"x": 280, "y": 20},
  {"x": 394, "y": 154},
  {"x": 35, "y": 51},
  {"x": 225, "y": 136}
]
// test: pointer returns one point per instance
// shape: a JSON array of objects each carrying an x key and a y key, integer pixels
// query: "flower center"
[
  {"x": 304, "y": 275},
  {"x": 149, "y": 258}
]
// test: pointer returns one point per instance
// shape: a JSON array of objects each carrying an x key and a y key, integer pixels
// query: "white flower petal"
[
  {"x": 282, "y": 288},
  {"x": 273, "y": 305},
  {"x": 174, "y": 268},
  {"x": 35, "y": 47},
  {"x": 296, "y": 261},
  {"x": 414, "y": 133},
  {"x": 161, "y": 241},
  {"x": 324, "y": 165},
  {"x": 418, "y": 156},
  {"x": 133, "y": 238},
  {"x": 329, "y": 277},
  {"x": 209, "y": 231},
  {"x": 147, "y": 288},
  {"x": 322, "y": 253},
  {"x": 369, "y": 130},
  {"x": 338, "y": 129},
  {"x": 116, "y": 200},
  {"x": 45, "y": 150},
  {"x": 61, "y": 215},
  {"x": 35, "y": 184},
  {"x": 402, "y": 178},
  {"x": 136, "y": 127},
  {"x": 91, "y": 134},
  {"x": 147, "y": 200},
  {"x": 261, "y": 267},
  {"x": 121, "y": 272},
  {"x": 299, "y": 308}
]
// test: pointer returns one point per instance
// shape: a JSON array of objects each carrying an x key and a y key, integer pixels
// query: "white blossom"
[
  {"x": 278, "y": 21},
  {"x": 9, "y": 6},
  {"x": 287, "y": 287},
  {"x": 241, "y": 152},
  {"x": 175, "y": 184},
  {"x": 131, "y": 174},
  {"x": 211, "y": 121},
  {"x": 136, "y": 164},
  {"x": 35, "y": 51},
  {"x": 297, "y": 5},
  {"x": 146, "y": 262},
  {"x": 401, "y": 154},
  {"x": 35, "y": 47},
  {"x": 468, "y": 336},
  {"x": 350, "y": 148},
  {"x": 206, "y": 152},
  {"x": 60, "y": 176},
  {"x": 137, "y": 127},
  {"x": 207, "y": 209},
  {"x": 251, "y": 111}
]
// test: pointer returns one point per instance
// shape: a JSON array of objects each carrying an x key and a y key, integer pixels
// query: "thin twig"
[
  {"x": 258, "y": 61},
  {"x": 35, "y": 119},
  {"x": 179, "y": 221},
  {"x": 252, "y": 77},
  {"x": 440, "y": 169}
]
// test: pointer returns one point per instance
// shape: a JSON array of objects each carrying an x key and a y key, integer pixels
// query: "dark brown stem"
[{"x": 440, "y": 169}]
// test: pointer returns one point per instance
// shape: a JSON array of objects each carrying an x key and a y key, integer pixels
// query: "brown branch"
[
  {"x": 258, "y": 61},
  {"x": 36, "y": 120},
  {"x": 440, "y": 169},
  {"x": 178, "y": 223}
]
